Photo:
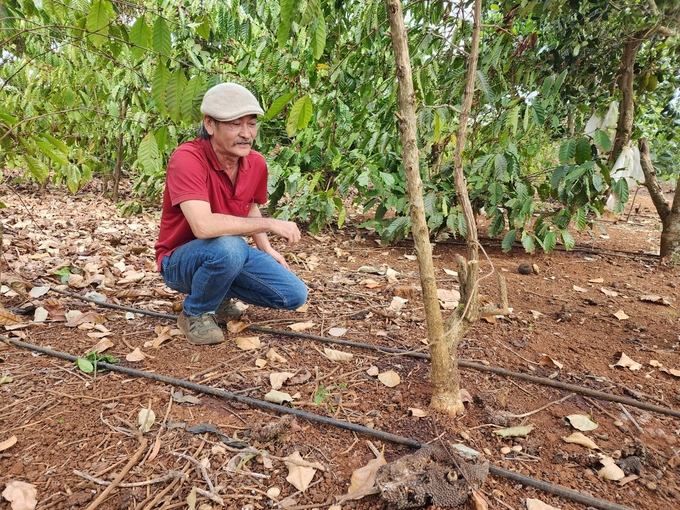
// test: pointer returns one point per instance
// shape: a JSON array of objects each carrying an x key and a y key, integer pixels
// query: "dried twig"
[
  {"x": 121, "y": 475},
  {"x": 170, "y": 476},
  {"x": 208, "y": 494},
  {"x": 630, "y": 417}
]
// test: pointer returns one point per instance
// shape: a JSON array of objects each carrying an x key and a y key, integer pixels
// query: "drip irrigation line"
[
  {"x": 385, "y": 436},
  {"x": 543, "y": 381}
]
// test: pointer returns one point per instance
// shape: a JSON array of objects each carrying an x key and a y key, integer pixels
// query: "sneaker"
[
  {"x": 228, "y": 310},
  {"x": 200, "y": 329}
]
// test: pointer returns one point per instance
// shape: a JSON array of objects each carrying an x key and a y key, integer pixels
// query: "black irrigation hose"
[
  {"x": 544, "y": 381},
  {"x": 393, "y": 438}
]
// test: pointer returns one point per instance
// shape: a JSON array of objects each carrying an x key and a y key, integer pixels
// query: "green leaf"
[
  {"x": 581, "y": 218},
  {"x": 528, "y": 242},
  {"x": 161, "y": 39},
  {"x": 37, "y": 168},
  {"x": 299, "y": 116},
  {"x": 159, "y": 83},
  {"x": 509, "y": 240},
  {"x": 539, "y": 113},
  {"x": 497, "y": 225},
  {"x": 139, "y": 37},
  {"x": 175, "y": 93},
  {"x": 550, "y": 241},
  {"x": 582, "y": 153},
  {"x": 52, "y": 152},
  {"x": 85, "y": 365},
  {"x": 602, "y": 140},
  {"x": 148, "y": 154},
  {"x": 512, "y": 120},
  {"x": 98, "y": 20},
  {"x": 484, "y": 85},
  {"x": 501, "y": 165},
  {"x": 567, "y": 239},
  {"x": 567, "y": 151},
  {"x": 278, "y": 105},
  {"x": 193, "y": 90},
  {"x": 203, "y": 30},
  {"x": 287, "y": 8},
  {"x": 620, "y": 189},
  {"x": 318, "y": 42}
]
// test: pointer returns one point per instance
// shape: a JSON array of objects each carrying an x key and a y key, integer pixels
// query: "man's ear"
[{"x": 210, "y": 124}]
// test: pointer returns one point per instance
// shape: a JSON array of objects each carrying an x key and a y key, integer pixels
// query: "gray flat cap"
[{"x": 229, "y": 101}]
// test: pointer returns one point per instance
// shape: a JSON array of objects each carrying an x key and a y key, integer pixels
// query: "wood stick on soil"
[
  {"x": 171, "y": 475},
  {"x": 540, "y": 408},
  {"x": 121, "y": 475},
  {"x": 630, "y": 417}
]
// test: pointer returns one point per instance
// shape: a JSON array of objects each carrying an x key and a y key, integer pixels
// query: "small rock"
[
  {"x": 517, "y": 448},
  {"x": 651, "y": 486},
  {"x": 674, "y": 461},
  {"x": 616, "y": 454},
  {"x": 464, "y": 435},
  {"x": 525, "y": 268},
  {"x": 535, "y": 269},
  {"x": 487, "y": 452},
  {"x": 505, "y": 450}
]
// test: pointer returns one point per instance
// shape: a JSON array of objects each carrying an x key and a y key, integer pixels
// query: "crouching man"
[{"x": 214, "y": 187}]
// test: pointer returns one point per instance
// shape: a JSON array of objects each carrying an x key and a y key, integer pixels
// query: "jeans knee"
[
  {"x": 297, "y": 297},
  {"x": 231, "y": 251}
]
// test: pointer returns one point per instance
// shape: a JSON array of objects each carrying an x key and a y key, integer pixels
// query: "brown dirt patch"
[{"x": 67, "y": 421}]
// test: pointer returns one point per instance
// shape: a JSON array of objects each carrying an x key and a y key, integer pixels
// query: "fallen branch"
[
  {"x": 170, "y": 476},
  {"x": 121, "y": 475}
]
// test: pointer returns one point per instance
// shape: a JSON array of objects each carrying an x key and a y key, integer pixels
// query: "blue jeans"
[{"x": 209, "y": 270}]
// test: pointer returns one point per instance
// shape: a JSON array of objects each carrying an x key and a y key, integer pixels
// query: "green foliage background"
[{"x": 111, "y": 87}]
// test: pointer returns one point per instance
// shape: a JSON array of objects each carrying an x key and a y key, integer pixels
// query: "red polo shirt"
[{"x": 194, "y": 173}]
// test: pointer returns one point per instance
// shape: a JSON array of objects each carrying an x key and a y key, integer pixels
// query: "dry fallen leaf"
[
  {"x": 301, "y": 326},
  {"x": 334, "y": 355},
  {"x": 655, "y": 363},
  {"x": 363, "y": 478},
  {"x": 146, "y": 418},
  {"x": 547, "y": 361},
  {"x": 101, "y": 346},
  {"x": 236, "y": 326},
  {"x": 653, "y": 298},
  {"x": 22, "y": 495},
  {"x": 247, "y": 343},
  {"x": 621, "y": 315},
  {"x": 389, "y": 378},
  {"x": 272, "y": 355},
  {"x": 537, "y": 504},
  {"x": 261, "y": 363},
  {"x": 480, "y": 500},
  {"x": 580, "y": 439},
  {"x": 136, "y": 355},
  {"x": 514, "y": 431},
  {"x": 609, "y": 293},
  {"x": 373, "y": 371},
  {"x": 626, "y": 362},
  {"x": 300, "y": 472},
  {"x": 164, "y": 333},
  {"x": 278, "y": 378},
  {"x": 418, "y": 413},
  {"x": 610, "y": 471},
  {"x": 337, "y": 332},
  {"x": 397, "y": 303},
  {"x": 8, "y": 443},
  {"x": 278, "y": 397},
  {"x": 596, "y": 280},
  {"x": 579, "y": 289},
  {"x": 672, "y": 371},
  {"x": 581, "y": 422}
]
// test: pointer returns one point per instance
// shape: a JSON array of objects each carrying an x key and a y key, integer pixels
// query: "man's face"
[{"x": 232, "y": 138}]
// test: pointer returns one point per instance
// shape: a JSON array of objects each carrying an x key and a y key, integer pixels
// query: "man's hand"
[
  {"x": 286, "y": 229},
  {"x": 278, "y": 257}
]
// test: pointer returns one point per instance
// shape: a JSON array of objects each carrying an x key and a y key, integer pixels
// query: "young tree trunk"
[
  {"x": 624, "y": 127},
  {"x": 445, "y": 379},
  {"x": 443, "y": 340},
  {"x": 669, "y": 214}
]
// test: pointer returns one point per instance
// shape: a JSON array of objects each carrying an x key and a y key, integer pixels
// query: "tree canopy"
[{"x": 109, "y": 88}]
